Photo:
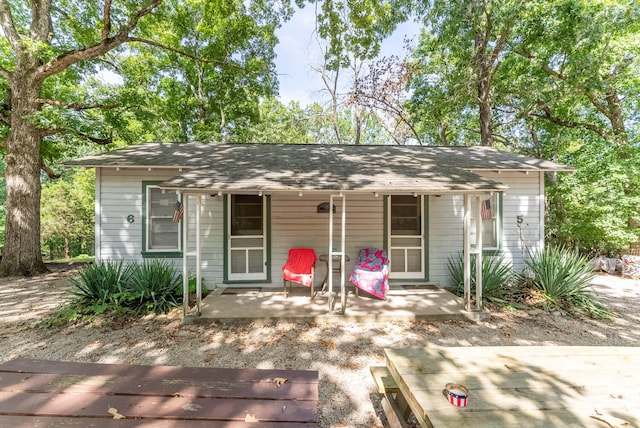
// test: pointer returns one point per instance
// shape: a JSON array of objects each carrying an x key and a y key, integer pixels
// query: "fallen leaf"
[
  {"x": 250, "y": 418},
  {"x": 279, "y": 381},
  {"x": 113, "y": 411}
]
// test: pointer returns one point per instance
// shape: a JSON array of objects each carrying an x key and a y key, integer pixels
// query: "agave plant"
[
  {"x": 101, "y": 283},
  {"x": 154, "y": 286},
  {"x": 563, "y": 278},
  {"x": 496, "y": 276}
]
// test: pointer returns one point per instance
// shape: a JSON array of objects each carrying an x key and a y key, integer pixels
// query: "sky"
[{"x": 298, "y": 51}]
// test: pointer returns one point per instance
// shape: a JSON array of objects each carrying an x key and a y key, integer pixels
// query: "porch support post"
[
  {"x": 198, "y": 255},
  {"x": 341, "y": 253},
  {"x": 466, "y": 254},
  {"x": 479, "y": 231},
  {"x": 185, "y": 262}
]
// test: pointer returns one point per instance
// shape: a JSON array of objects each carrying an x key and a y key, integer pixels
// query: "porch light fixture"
[
  {"x": 415, "y": 195},
  {"x": 323, "y": 208},
  {"x": 259, "y": 193},
  {"x": 375, "y": 194},
  {"x": 219, "y": 193},
  {"x": 299, "y": 193}
]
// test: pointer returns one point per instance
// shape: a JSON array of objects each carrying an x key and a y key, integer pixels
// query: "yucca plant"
[
  {"x": 101, "y": 283},
  {"x": 496, "y": 277},
  {"x": 563, "y": 278},
  {"x": 154, "y": 286}
]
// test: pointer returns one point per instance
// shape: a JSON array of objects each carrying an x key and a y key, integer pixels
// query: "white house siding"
[
  {"x": 119, "y": 194},
  {"x": 295, "y": 223},
  {"x": 524, "y": 197}
]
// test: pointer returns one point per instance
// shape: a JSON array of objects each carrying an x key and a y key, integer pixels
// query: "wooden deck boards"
[
  {"x": 520, "y": 386},
  {"x": 47, "y": 392}
]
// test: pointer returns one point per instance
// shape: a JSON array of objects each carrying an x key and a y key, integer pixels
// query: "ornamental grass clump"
[
  {"x": 154, "y": 286},
  {"x": 496, "y": 278},
  {"x": 563, "y": 280},
  {"x": 101, "y": 283},
  {"x": 151, "y": 286}
]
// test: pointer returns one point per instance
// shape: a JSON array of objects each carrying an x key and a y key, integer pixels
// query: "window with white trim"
[
  {"x": 163, "y": 215},
  {"x": 490, "y": 212}
]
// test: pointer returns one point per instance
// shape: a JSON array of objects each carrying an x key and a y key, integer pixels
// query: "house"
[{"x": 243, "y": 206}]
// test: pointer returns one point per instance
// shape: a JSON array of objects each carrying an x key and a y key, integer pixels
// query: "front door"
[
  {"x": 246, "y": 246},
  {"x": 406, "y": 237}
]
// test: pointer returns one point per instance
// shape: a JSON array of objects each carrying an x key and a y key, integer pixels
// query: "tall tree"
[
  {"x": 41, "y": 41},
  {"x": 464, "y": 43},
  {"x": 352, "y": 33},
  {"x": 47, "y": 53}
]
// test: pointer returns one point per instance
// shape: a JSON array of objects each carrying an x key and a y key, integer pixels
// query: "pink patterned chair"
[
  {"x": 371, "y": 272},
  {"x": 300, "y": 268}
]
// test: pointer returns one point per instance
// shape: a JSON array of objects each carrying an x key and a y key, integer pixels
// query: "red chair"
[{"x": 300, "y": 268}]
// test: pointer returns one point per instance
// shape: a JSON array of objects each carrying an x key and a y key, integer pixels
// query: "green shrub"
[
  {"x": 154, "y": 286},
  {"x": 151, "y": 286},
  {"x": 496, "y": 277},
  {"x": 563, "y": 278},
  {"x": 102, "y": 283}
]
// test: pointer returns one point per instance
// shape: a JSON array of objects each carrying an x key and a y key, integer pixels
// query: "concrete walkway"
[{"x": 406, "y": 303}]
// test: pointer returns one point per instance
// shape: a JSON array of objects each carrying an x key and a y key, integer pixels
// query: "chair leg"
[{"x": 285, "y": 288}]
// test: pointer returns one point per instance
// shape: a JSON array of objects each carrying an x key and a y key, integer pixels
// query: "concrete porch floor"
[{"x": 403, "y": 303}]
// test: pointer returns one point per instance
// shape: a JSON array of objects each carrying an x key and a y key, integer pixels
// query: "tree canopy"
[{"x": 555, "y": 79}]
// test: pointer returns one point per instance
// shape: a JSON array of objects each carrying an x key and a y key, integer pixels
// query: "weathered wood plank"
[
  {"x": 91, "y": 405},
  {"x": 548, "y": 386},
  {"x": 383, "y": 379},
  {"x": 266, "y": 388},
  {"x": 166, "y": 372},
  {"x": 52, "y": 393},
  {"x": 57, "y": 422}
]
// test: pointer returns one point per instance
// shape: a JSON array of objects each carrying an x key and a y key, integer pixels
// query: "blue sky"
[{"x": 298, "y": 50}]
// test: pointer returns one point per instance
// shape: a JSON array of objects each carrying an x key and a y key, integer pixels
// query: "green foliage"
[
  {"x": 597, "y": 207},
  {"x": 67, "y": 214},
  {"x": 563, "y": 278},
  {"x": 496, "y": 277},
  {"x": 139, "y": 288},
  {"x": 154, "y": 286},
  {"x": 102, "y": 283}
]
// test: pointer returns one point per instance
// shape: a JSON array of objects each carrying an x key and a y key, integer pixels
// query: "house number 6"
[{"x": 130, "y": 218}]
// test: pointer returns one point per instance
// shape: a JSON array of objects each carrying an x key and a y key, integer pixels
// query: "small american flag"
[
  {"x": 486, "y": 210},
  {"x": 177, "y": 212}
]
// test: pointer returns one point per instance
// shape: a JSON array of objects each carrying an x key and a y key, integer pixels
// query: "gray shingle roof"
[{"x": 276, "y": 167}]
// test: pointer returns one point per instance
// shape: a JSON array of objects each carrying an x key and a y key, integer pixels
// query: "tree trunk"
[
  {"x": 484, "y": 90},
  {"x": 22, "y": 254}
]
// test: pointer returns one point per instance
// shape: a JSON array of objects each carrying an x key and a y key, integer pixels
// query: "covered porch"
[{"x": 403, "y": 303}]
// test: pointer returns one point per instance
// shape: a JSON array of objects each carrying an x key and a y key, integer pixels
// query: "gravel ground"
[{"x": 342, "y": 353}]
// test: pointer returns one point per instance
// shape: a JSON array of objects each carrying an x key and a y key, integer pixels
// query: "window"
[
  {"x": 162, "y": 233},
  {"x": 405, "y": 215},
  {"x": 491, "y": 223}
]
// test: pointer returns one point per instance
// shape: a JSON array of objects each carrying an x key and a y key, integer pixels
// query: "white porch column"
[
  {"x": 466, "y": 254},
  {"x": 198, "y": 254},
  {"x": 479, "y": 232},
  {"x": 341, "y": 253},
  {"x": 185, "y": 256},
  {"x": 188, "y": 252}
]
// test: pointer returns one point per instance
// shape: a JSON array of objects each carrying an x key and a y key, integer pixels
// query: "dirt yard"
[{"x": 342, "y": 353}]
